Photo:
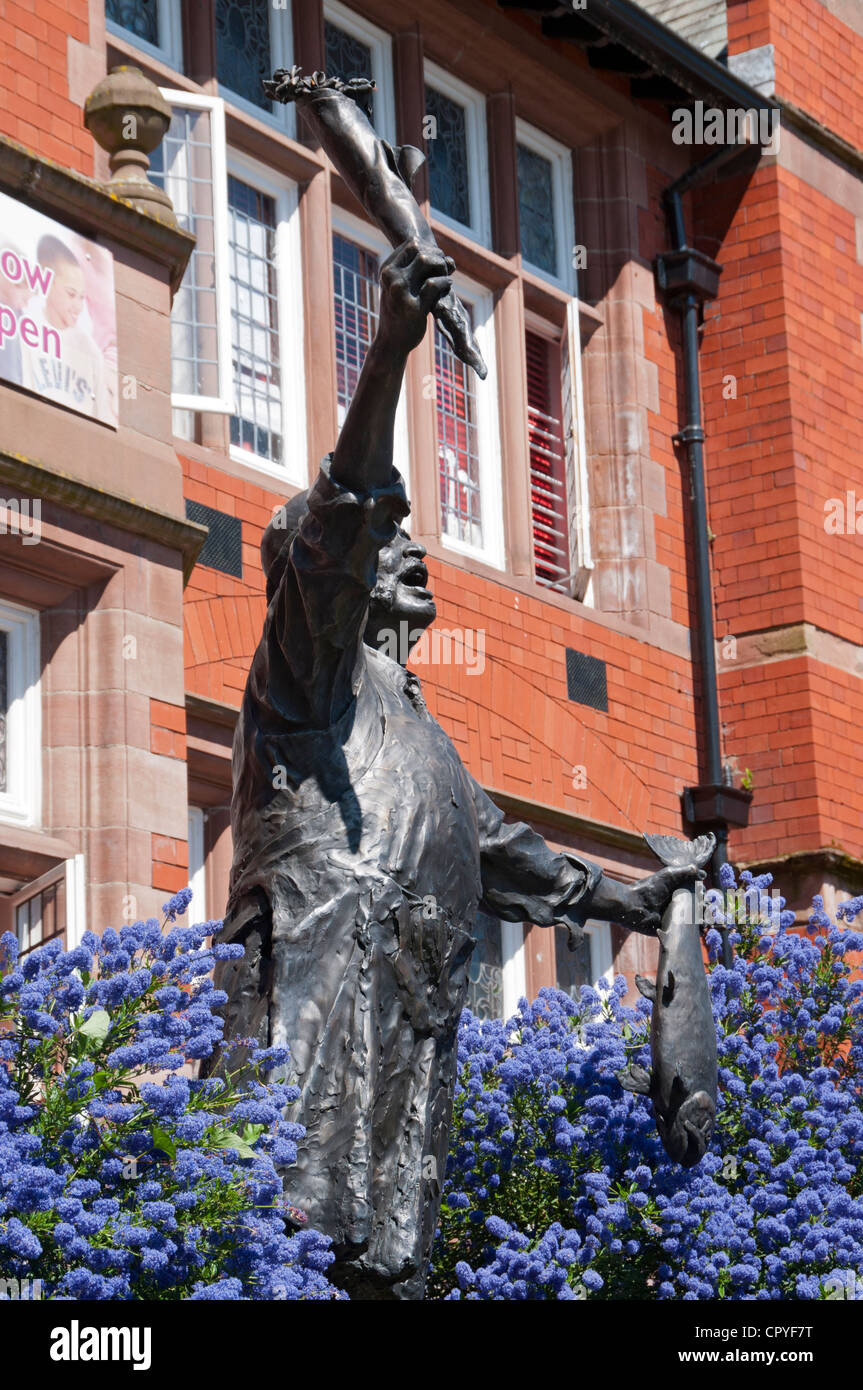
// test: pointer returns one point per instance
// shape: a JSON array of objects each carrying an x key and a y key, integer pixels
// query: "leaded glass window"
[
  {"x": 536, "y": 210},
  {"x": 257, "y": 426},
  {"x": 243, "y": 52},
  {"x": 183, "y": 165},
  {"x": 573, "y": 961},
  {"x": 485, "y": 988},
  {"x": 140, "y": 17},
  {"x": 4, "y": 706},
  {"x": 347, "y": 56},
  {"x": 458, "y": 445},
  {"x": 355, "y": 275},
  {"x": 447, "y": 155}
]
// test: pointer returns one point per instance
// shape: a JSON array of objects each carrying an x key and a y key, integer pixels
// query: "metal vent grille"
[
  {"x": 223, "y": 548},
  {"x": 586, "y": 680}
]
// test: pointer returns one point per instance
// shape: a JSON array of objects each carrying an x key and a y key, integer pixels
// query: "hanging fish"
[{"x": 682, "y": 1079}]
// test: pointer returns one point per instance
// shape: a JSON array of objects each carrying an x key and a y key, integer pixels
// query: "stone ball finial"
[{"x": 128, "y": 116}]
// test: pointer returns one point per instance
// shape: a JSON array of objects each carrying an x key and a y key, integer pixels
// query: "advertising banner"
[{"x": 58, "y": 321}]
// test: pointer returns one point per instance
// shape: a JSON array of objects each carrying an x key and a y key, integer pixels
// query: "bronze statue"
[{"x": 362, "y": 845}]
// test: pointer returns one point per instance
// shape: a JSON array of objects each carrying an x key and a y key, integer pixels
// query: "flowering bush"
[
  {"x": 120, "y": 1177},
  {"x": 558, "y": 1188}
]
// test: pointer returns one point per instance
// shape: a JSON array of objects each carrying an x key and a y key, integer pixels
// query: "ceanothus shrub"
[
  {"x": 121, "y": 1177},
  {"x": 557, "y": 1186}
]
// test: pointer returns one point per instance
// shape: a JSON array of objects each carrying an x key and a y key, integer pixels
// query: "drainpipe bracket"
[
  {"x": 686, "y": 273},
  {"x": 690, "y": 434},
  {"x": 714, "y": 805}
]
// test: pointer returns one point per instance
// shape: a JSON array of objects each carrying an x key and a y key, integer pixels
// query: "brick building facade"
[{"x": 553, "y": 499}]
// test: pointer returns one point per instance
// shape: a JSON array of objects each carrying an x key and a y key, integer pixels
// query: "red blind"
[{"x": 547, "y": 461}]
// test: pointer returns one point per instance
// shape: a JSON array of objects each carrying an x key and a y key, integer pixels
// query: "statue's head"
[{"x": 400, "y": 596}]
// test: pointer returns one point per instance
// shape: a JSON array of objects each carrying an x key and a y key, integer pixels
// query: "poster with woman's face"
[{"x": 58, "y": 320}]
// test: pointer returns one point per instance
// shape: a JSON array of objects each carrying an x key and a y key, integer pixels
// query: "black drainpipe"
[{"x": 688, "y": 279}]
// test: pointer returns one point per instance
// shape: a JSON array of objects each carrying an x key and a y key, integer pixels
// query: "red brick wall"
[
  {"x": 797, "y": 723},
  {"x": 224, "y": 615},
  {"x": 787, "y": 328},
  {"x": 819, "y": 60},
  {"x": 170, "y": 863},
  {"x": 34, "y": 76},
  {"x": 167, "y": 729}
]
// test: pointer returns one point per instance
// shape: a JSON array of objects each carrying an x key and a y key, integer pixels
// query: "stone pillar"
[{"x": 621, "y": 384}]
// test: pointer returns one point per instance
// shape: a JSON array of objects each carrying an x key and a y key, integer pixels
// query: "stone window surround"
[{"x": 90, "y": 542}]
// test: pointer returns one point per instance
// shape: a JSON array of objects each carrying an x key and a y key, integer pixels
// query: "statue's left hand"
[
  {"x": 648, "y": 899},
  {"x": 640, "y": 905}
]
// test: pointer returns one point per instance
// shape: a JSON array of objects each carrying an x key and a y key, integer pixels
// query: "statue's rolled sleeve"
[
  {"x": 318, "y": 614},
  {"x": 523, "y": 880}
]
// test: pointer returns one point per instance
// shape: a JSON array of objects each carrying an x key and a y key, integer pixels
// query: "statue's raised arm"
[{"x": 377, "y": 173}]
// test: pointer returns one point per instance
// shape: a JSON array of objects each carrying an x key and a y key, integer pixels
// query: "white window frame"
[
  {"x": 355, "y": 229},
  {"x": 601, "y": 963},
  {"x": 560, "y": 159},
  {"x": 380, "y": 43},
  {"x": 289, "y": 279},
  {"x": 493, "y": 550},
  {"x": 514, "y": 966},
  {"x": 21, "y": 803},
  {"x": 476, "y": 136},
  {"x": 283, "y": 116},
  {"x": 601, "y": 952},
  {"x": 197, "y": 864},
  {"x": 76, "y": 901},
  {"x": 169, "y": 52},
  {"x": 223, "y": 404},
  {"x": 582, "y": 579}
]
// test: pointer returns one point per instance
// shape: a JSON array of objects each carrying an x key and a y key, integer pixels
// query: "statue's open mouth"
[{"x": 415, "y": 576}]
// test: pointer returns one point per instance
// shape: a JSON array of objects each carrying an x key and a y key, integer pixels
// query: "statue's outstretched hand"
[
  {"x": 651, "y": 896},
  {"x": 640, "y": 905},
  {"x": 413, "y": 279}
]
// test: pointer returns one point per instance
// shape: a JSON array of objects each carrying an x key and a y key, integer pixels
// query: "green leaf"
[
  {"x": 97, "y": 1025},
  {"x": 162, "y": 1140},
  {"x": 253, "y": 1132},
  {"x": 225, "y": 1139}
]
